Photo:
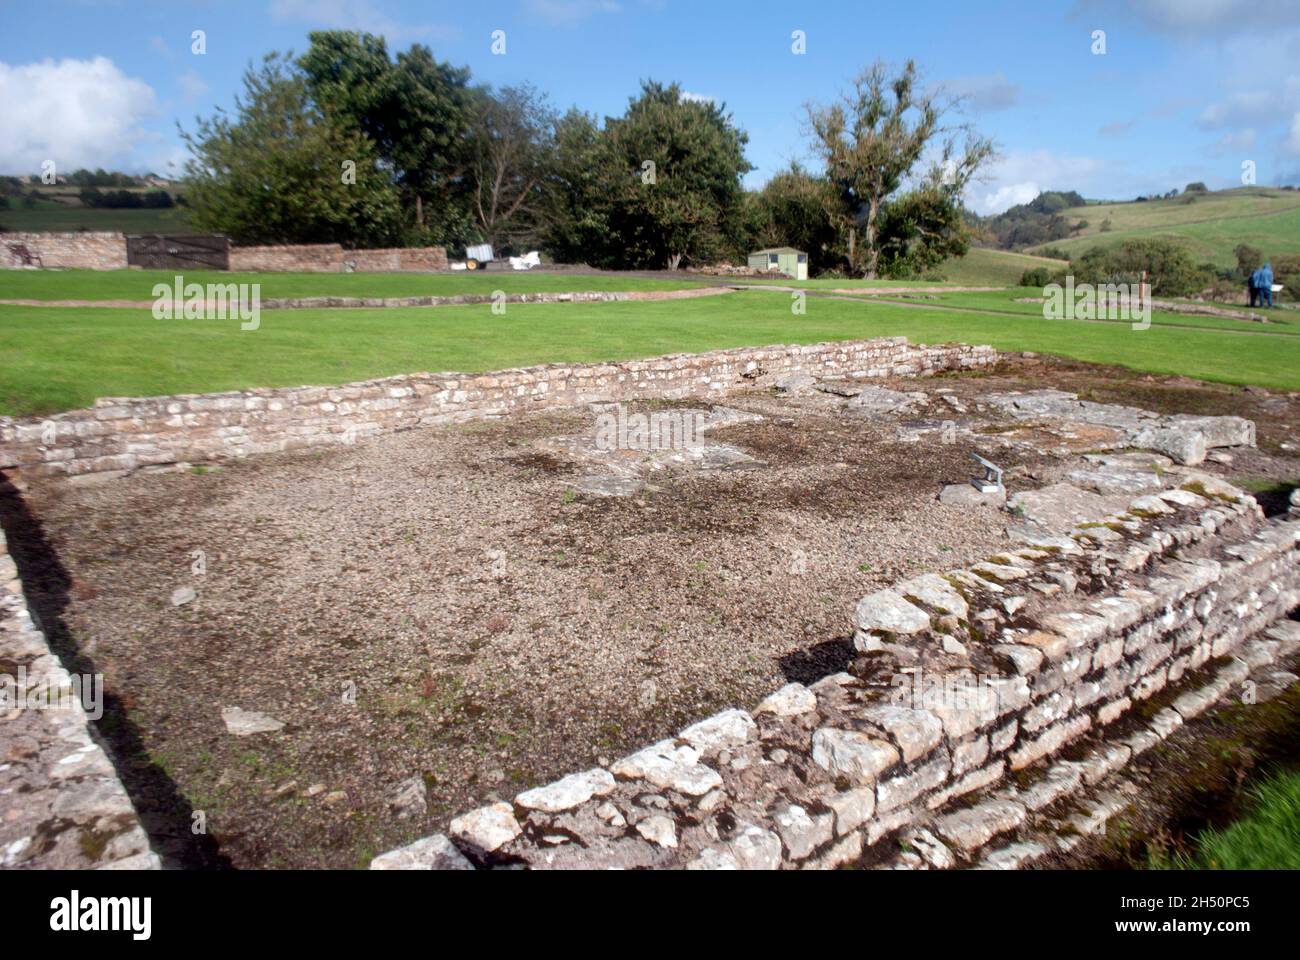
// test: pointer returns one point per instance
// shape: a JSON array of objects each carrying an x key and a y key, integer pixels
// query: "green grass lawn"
[
  {"x": 1266, "y": 837},
  {"x": 138, "y": 284},
  {"x": 1281, "y": 322},
  {"x": 61, "y": 358},
  {"x": 1210, "y": 226}
]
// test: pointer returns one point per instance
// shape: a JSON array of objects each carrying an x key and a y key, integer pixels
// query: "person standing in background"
[{"x": 1266, "y": 285}]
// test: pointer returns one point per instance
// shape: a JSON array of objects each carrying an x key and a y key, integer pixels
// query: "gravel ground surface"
[{"x": 438, "y": 618}]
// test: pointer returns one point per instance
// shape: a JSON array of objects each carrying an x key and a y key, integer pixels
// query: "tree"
[
  {"x": 1167, "y": 264},
  {"x": 671, "y": 168},
  {"x": 920, "y": 230},
  {"x": 276, "y": 172},
  {"x": 1249, "y": 259},
  {"x": 793, "y": 209},
  {"x": 576, "y": 221},
  {"x": 872, "y": 140},
  {"x": 1197, "y": 187},
  {"x": 514, "y": 145},
  {"x": 416, "y": 111}
]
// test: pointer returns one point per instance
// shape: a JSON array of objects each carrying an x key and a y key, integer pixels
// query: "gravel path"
[{"x": 497, "y": 629}]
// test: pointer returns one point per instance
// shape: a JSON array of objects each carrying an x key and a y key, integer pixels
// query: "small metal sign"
[{"x": 991, "y": 482}]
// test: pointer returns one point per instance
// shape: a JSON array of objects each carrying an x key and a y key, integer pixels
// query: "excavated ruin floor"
[{"x": 444, "y": 616}]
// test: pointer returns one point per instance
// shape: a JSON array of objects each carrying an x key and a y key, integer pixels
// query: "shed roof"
[{"x": 776, "y": 250}]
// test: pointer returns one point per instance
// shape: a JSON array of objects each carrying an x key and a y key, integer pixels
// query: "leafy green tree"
[
  {"x": 576, "y": 221},
  {"x": 872, "y": 140},
  {"x": 794, "y": 209},
  {"x": 1249, "y": 259},
  {"x": 919, "y": 230},
  {"x": 1167, "y": 264},
  {"x": 513, "y": 155},
  {"x": 418, "y": 112},
  {"x": 671, "y": 169},
  {"x": 276, "y": 172}
]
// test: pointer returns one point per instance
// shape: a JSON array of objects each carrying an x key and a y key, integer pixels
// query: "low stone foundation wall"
[
  {"x": 82, "y": 250},
  {"x": 396, "y": 260},
  {"x": 332, "y": 258},
  {"x": 87, "y": 250},
  {"x": 964, "y": 678},
  {"x": 123, "y": 433},
  {"x": 288, "y": 258},
  {"x": 62, "y": 805}
]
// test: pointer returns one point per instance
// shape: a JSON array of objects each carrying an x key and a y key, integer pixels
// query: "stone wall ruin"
[
  {"x": 121, "y": 434},
  {"x": 1035, "y": 650}
]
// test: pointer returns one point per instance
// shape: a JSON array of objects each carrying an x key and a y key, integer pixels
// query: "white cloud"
[
  {"x": 986, "y": 92},
  {"x": 565, "y": 13},
  {"x": 78, "y": 113},
  {"x": 191, "y": 85},
  {"x": 1207, "y": 19},
  {"x": 1007, "y": 196},
  {"x": 1232, "y": 142},
  {"x": 698, "y": 97},
  {"x": 1293, "y": 141},
  {"x": 1019, "y": 177},
  {"x": 360, "y": 15},
  {"x": 1247, "y": 107}
]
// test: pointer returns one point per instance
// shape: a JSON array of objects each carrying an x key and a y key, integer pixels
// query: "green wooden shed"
[{"x": 787, "y": 260}]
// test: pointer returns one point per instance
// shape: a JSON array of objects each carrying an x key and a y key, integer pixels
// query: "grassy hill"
[
  {"x": 987, "y": 267},
  {"x": 1210, "y": 224}
]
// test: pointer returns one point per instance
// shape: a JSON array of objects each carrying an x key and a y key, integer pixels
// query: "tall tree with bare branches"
[
  {"x": 514, "y": 146},
  {"x": 872, "y": 140}
]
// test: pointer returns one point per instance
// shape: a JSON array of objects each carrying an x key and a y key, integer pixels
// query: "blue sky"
[{"x": 1186, "y": 89}]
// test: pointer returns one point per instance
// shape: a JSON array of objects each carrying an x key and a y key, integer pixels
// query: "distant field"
[
  {"x": 60, "y": 358},
  {"x": 66, "y": 219},
  {"x": 982, "y": 267},
  {"x": 1211, "y": 225},
  {"x": 138, "y": 284}
]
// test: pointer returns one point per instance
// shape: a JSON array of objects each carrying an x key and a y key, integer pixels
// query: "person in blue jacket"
[
  {"x": 1266, "y": 285},
  {"x": 1252, "y": 287}
]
